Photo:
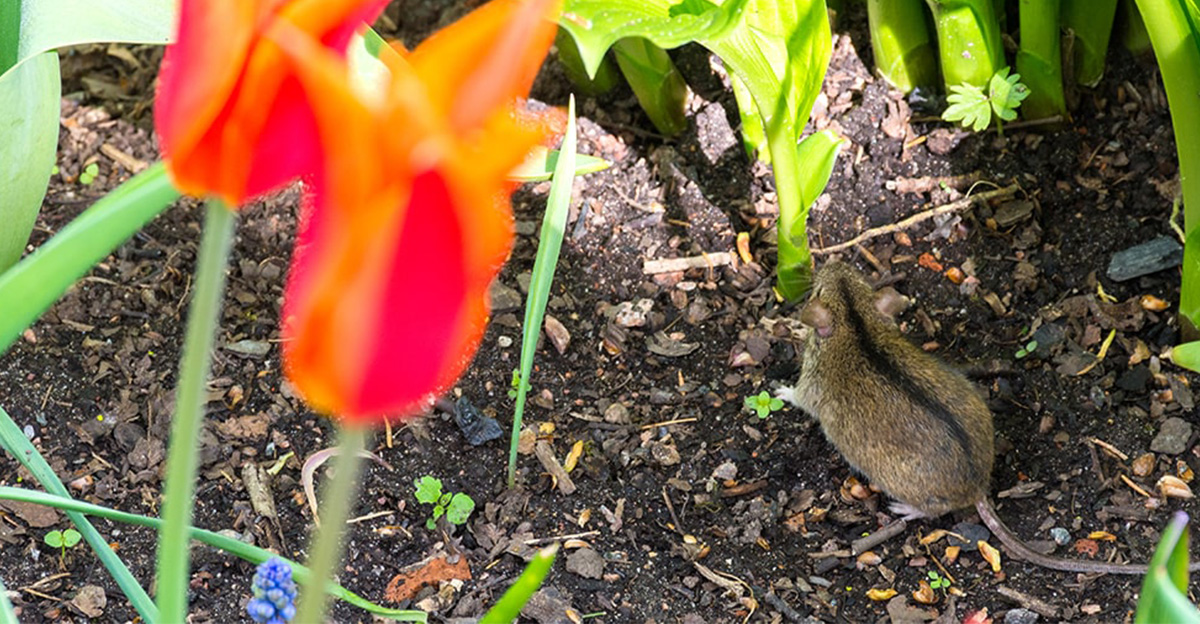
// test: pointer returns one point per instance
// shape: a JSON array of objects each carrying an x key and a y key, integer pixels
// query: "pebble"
[
  {"x": 973, "y": 533},
  {"x": 664, "y": 453},
  {"x": 1172, "y": 437},
  {"x": 1020, "y": 615},
  {"x": 1061, "y": 536},
  {"x": 504, "y": 342},
  {"x": 504, "y": 297},
  {"x": 476, "y": 427},
  {"x": 617, "y": 414},
  {"x": 586, "y": 562},
  {"x": 1149, "y": 257}
]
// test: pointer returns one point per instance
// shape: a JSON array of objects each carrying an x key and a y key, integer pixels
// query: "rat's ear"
[
  {"x": 889, "y": 302},
  {"x": 818, "y": 317}
]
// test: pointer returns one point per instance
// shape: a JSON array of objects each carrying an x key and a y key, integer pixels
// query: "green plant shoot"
[
  {"x": 455, "y": 506},
  {"x": 904, "y": 51},
  {"x": 974, "y": 109},
  {"x": 1039, "y": 60},
  {"x": 1164, "y": 590},
  {"x": 763, "y": 404}
]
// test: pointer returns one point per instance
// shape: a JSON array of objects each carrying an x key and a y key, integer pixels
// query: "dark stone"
[
  {"x": 1135, "y": 379},
  {"x": 1149, "y": 257},
  {"x": 476, "y": 427}
]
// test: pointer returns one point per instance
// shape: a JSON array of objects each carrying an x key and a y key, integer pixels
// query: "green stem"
[
  {"x": 969, "y": 44},
  {"x": 231, "y": 545},
  {"x": 1039, "y": 61},
  {"x": 1174, "y": 34},
  {"x": 174, "y": 557},
  {"x": 794, "y": 271},
  {"x": 900, "y": 39},
  {"x": 337, "y": 499},
  {"x": 7, "y": 614},
  {"x": 1092, "y": 23}
]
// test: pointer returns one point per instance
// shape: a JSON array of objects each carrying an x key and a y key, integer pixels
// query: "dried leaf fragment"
[
  {"x": 879, "y": 595},
  {"x": 924, "y": 593},
  {"x": 990, "y": 554}
]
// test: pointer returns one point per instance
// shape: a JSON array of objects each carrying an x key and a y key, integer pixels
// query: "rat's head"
[{"x": 841, "y": 299}]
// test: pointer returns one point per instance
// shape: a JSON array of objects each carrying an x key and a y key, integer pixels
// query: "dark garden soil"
[{"x": 684, "y": 507}]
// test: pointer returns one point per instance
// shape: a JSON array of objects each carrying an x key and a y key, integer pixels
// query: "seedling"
[
  {"x": 62, "y": 540},
  {"x": 937, "y": 581},
  {"x": 515, "y": 386},
  {"x": 89, "y": 173},
  {"x": 763, "y": 404},
  {"x": 970, "y": 106},
  {"x": 455, "y": 506},
  {"x": 1028, "y": 349}
]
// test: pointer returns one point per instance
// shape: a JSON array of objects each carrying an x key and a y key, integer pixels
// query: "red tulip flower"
[
  {"x": 409, "y": 221},
  {"x": 233, "y": 120}
]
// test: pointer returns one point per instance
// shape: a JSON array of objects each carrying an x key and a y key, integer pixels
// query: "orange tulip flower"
[
  {"x": 233, "y": 120},
  {"x": 410, "y": 221}
]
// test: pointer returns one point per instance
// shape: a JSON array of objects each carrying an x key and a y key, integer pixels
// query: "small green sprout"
[
  {"x": 937, "y": 581},
  {"x": 516, "y": 384},
  {"x": 456, "y": 506},
  {"x": 763, "y": 404},
  {"x": 62, "y": 540},
  {"x": 89, "y": 173},
  {"x": 54, "y": 171},
  {"x": 970, "y": 106},
  {"x": 1028, "y": 349}
]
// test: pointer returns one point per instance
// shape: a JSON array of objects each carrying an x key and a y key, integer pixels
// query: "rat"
[{"x": 912, "y": 425}]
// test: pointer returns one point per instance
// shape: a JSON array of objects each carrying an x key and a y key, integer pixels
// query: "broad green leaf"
[
  {"x": 28, "y": 142},
  {"x": 780, "y": 50},
  {"x": 54, "y": 539},
  {"x": 597, "y": 24},
  {"x": 1007, "y": 92},
  {"x": 48, "y": 24},
  {"x": 71, "y": 537},
  {"x": 1187, "y": 355},
  {"x": 816, "y": 155},
  {"x": 539, "y": 165},
  {"x": 969, "y": 41},
  {"x": 510, "y": 604},
  {"x": 460, "y": 508},
  {"x": 568, "y": 55},
  {"x": 429, "y": 489},
  {"x": 754, "y": 135},
  {"x": 659, "y": 87},
  {"x": 38, "y": 280},
  {"x": 231, "y": 545},
  {"x": 1164, "y": 590}
]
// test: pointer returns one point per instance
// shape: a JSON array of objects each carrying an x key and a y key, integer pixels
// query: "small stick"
[
  {"x": 370, "y": 516},
  {"x": 704, "y": 261},
  {"x": 953, "y": 206},
  {"x": 1112, "y": 450},
  {"x": 545, "y": 454},
  {"x": 1135, "y": 487},
  {"x": 743, "y": 489},
  {"x": 671, "y": 508},
  {"x": 1029, "y": 602},
  {"x": 559, "y": 538},
  {"x": 664, "y": 423},
  {"x": 887, "y": 532}
]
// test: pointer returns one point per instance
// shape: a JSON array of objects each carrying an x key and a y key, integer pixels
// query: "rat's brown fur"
[{"x": 916, "y": 428}]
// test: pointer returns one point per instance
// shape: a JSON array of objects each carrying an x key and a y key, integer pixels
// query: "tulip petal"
[{"x": 493, "y": 53}]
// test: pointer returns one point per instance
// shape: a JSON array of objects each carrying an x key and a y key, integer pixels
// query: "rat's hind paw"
[
  {"x": 787, "y": 394},
  {"x": 906, "y": 512}
]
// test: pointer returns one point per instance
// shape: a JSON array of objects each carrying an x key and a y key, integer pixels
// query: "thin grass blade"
[{"x": 510, "y": 604}]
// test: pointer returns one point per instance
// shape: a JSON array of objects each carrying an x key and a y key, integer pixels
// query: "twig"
[
  {"x": 953, "y": 206},
  {"x": 1135, "y": 487},
  {"x": 561, "y": 538},
  {"x": 892, "y": 529},
  {"x": 664, "y": 423},
  {"x": 1029, "y": 602},
  {"x": 1112, "y": 450},
  {"x": 704, "y": 261},
  {"x": 371, "y": 516},
  {"x": 786, "y": 609},
  {"x": 671, "y": 508},
  {"x": 545, "y": 455}
]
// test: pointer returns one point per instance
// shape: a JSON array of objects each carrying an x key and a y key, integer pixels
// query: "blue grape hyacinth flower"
[{"x": 274, "y": 600}]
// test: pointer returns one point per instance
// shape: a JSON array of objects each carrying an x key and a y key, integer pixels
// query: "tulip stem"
[
  {"x": 337, "y": 498},
  {"x": 182, "y": 457}
]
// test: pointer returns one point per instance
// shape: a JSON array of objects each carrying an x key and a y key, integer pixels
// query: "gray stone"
[
  {"x": 586, "y": 563},
  {"x": 1172, "y": 437},
  {"x": 1149, "y": 257},
  {"x": 504, "y": 297},
  {"x": 1061, "y": 536},
  {"x": 1020, "y": 616}
]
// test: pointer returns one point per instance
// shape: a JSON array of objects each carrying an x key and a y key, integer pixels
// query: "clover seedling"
[
  {"x": 456, "y": 506},
  {"x": 937, "y": 581},
  {"x": 516, "y": 384},
  {"x": 62, "y": 540},
  {"x": 763, "y": 404},
  {"x": 89, "y": 173},
  {"x": 973, "y": 108},
  {"x": 1028, "y": 349}
]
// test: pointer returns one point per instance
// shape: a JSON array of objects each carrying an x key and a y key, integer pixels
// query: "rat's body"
[{"x": 917, "y": 429}]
